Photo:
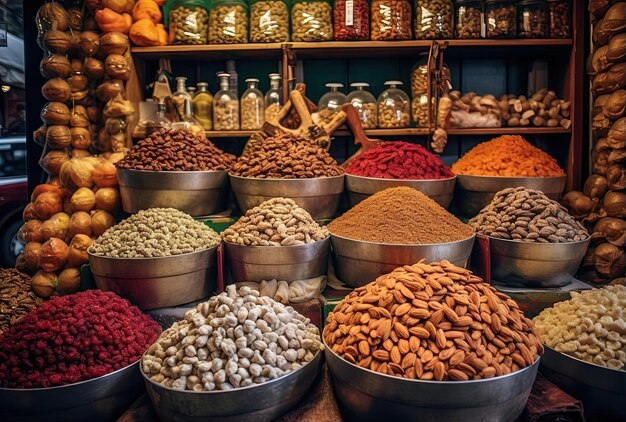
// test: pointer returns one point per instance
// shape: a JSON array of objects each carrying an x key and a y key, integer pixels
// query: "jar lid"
[
  {"x": 393, "y": 82},
  {"x": 202, "y": 84},
  {"x": 333, "y": 85},
  {"x": 252, "y": 80},
  {"x": 274, "y": 76},
  {"x": 359, "y": 84}
]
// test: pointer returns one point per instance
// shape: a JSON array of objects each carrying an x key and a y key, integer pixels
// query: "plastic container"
[
  {"x": 228, "y": 22},
  {"x": 311, "y": 20},
  {"x": 364, "y": 103},
  {"x": 202, "y": 104},
  {"x": 188, "y": 21},
  {"x": 501, "y": 18},
  {"x": 391, "y": 20},
  {"x": 269, "y": 21},
  {"x": 560, "y": 26},
  {"x": 331, "y": 102},
  {"x": 252, "y": 107},
  {"x": 469, "y": 19},
  {"x": 225, "y": 107},
  {"x": 533, "y": 19},
  {"x": 434, "y": 19},
  {"x": 273, "y": 96},
  {"x": 393, "y": 107},
  {"x": 351, "y": 20},
  {"x": 180, "y": 95}
]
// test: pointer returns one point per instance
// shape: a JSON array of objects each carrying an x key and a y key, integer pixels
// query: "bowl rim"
[
  {"x": 473, "y": 236},
  {"x": 171, "y": 172},
  {"x": 599, "y": 367},
  {"x": 445, "y": 179},
  {"x": 482, "y": 176},
  {"x": 284, "y": 179},
  {"x": 310, "y": 245},
  {"x": 517, "y": 242},
  {"x": 114, "y": 258}
]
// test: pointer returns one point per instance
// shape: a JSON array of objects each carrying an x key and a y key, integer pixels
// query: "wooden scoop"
[{"x": 360, "y": 138}]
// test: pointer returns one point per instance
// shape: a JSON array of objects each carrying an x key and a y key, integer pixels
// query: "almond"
[
  {"x": 453, "y": 334},
  {"x": 451, "y": 315},
  {"x": 403, "y": 309},
  {"x": 420, "y": 313},
  {"x": 408, "y": 360},
  {"x": 457, "y": 375},
  {"x": 396, "y": 369},
  {"x": 364, "y": 348},
  {"x": 419, "y": 303},
  {"x": 440, "y": 371},
  {"x": 365, "y": 362},
  {"x": 384, "y": 329},
  {"x": 414, "y": 344},
  {"x": 396, "y": 356},
  {"x": 401, "y": 330},
  {"x": 381, "y": 354},
  {"x": 419, "y": 332},
  {"x": 456, "y": 358},
  {"x": 447, "y": 353},
  {"x": 407, "y": 293},
  {"x": 404, "y": 346},
  {"x": 441, "y": 339}
]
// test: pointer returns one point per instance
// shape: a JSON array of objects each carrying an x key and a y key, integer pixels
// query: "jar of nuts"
[
  {"x": 269, "y": 21},
  {"x": 393, "y": 107},
  {"x": 469, "y": 19},
  {"x": 252, "y": 108},
  {"x": 228, "y": 22},
  {"x": 533, "y": 19},
  {"x": 419, "y": 76},
  {"x": 391, "y": 20},
  {"x": 364, "y": 103},
  {"x": 225, "y": 106},
  {"x": 311, "y": 20},
  {"x": 188, "y": 21},
  {"x": 351, "y": 19},
  {"x": 501, "y": 18},
  {"x": 273, "y": 96},
  {"x": 331, "y": 102},
  {"x": 433, "y": 19},
  {"x": 559, "y": 19}
]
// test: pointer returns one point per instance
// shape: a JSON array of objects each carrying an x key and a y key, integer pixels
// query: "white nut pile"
[
  {"x": 591, "y": 326},
  {"x": 277, "y": 222},
  {"x": 235, "y": 339}
]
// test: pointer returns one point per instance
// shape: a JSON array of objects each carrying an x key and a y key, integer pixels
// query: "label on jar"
[{"x": 349, "y": 12}]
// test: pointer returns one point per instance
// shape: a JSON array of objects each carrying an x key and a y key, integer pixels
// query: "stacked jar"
[
  {"x": 188, "y": 21},
  {"x": 532, "y": 19},
  {"x": 393, "y": 107},
  {"x": 269, "y": 21},
  {"x": 501, "y": 18},
  {"x": 419, "y": 91},
  {"x": 364, "y": 103},
  {"x": 391, "y": 20},
  {"x": 351, "y": 20},
  {"x": 228, "y": 22},
  {"x": 433, "y": 19},
  {"x": 469, "y": 19},
  {"x": 311, "y": 20}
]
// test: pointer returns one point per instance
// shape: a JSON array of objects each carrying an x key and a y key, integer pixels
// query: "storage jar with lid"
[
  {"x": 202, "y": 104},
  {"x": 311, "y": 20},
  {"x": 225, "y": 106},
  {"x": 188, "y": 21},
  {"x": 501, "y": 18},
  {"x": 533, "y": 19},
  {"x": 331, "y": 102},
  {"x": 180, "y": 95},
  {"x": 391, "y": 20},
  {"x": 364, "y": 103},
  {"x": 157, "y": 120},
  {"x": 559, "y": 19},
  {"x": 228, "y": 22},
  {"x": 433, "y": 19},
  {"x": 252, "y": 108},
  {"x": 469, "y": 19},
  {"x": 419, "y": 76},
  {"x": 269, "y": 21},
  {"x": 351, "y": 20},
  {"x": 273, "y": 98},
  {"x": 188, "y": 122},
  {"x": 393, "y": 107}
]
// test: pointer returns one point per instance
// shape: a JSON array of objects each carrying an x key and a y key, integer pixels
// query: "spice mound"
[
  {"x": 155, "y": 232},
  {"x": 591, "y": 326},
  {"x": 277, "y": 222},
  {"x": 235, "y": 339},
  {"x": 176, "y": 150},
  {"x": 399, "y": 160},
  {"x": 286, "y": 157},
  {"x": 400, "y": 215},
  {"x": 507, "y": 155},
  {"x": 527, "y": 215},
  {"x": 432, "y": 322},
  {"x": 16, "y": 297},
  {"x": 74, "y": 338}
]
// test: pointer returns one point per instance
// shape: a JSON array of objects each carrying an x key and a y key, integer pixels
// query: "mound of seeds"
[{"x": 16, "y": 297}]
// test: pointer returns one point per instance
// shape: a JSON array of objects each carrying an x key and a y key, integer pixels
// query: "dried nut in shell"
[
  {"x": 108, "y": 90},
  {"x": 89, "y": 43},
  {"x": 616, "y": 49},
  {"x": 55, "y": 113},
  {"x": 78, "y": 82},
  {"x": 75, "y": 15},
  {"x": 93, "y": 68},
  {"x": 54, "y": 160},
  {"x": 77, "y": 66},
  {"x": 79, "y": 117},
  {"x": 58, "y": 136},
  {"x": 56, "y": 89},
  {"x": 615, "y": 105},
  {"x": 80, "y": 138},
  {"x": 57, "y": 42},
  {"x": 114, "y": 43},
  {"x": 55, "y": 66},
  {"x": 53, "y": 15},
  {"x": 116, "y": 67}
]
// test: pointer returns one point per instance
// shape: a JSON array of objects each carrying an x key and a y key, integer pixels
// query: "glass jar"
[
  {"x": 311, "y": 20},
  {"x": 351, "y": 20},
  {"x": 228, "y": 22},
  {"x": 391, "y": 20},
  {"x": 188, "y": 21},
  {"x": 225, "y": 106},
  {"x": 469, "y": 19},
  {"x": 252, "y": 108},
  {"x": 180, "y": 95},
  {"x": 433, "y": 19},
  {"x": 273, "y": 98},
  {"x": 559, "y": 19},
  {"x": 393, "y": 107},
  {"x": 419, "y": 76},
  {"x": 364, "y": 103},
  {"x": 269, "y": 21},
  {"x": 157, "y": 120},
  {"x": 533, "y": 19},
  {"x": 188, "y": 122},
  {"x": 191, "y": 90},
  {"x": 331, "y": 102},
  {"x": 202, "y": 104},
  {"x": 501, "y": 18}
]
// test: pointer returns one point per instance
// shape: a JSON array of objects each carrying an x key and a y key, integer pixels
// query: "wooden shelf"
[
  {"x": 210, "y": 52},
  {"x": 509, "y": 131}
]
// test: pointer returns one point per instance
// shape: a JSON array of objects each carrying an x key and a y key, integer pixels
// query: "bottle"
[
  {"x": 202, "y": 104},
  {"x": 393, "y": 107},
  {"x": 180, "y": 95},
  {"x": 364, "y": 103},
  {"x": 191, "y": 90},
  {"x": 331, "y": 102},
  {"x": 252, "y": 108},
  {"x": 188, "y": 122},
  {"x": 225, "y": 106},
  {"x": 157, "y": 120},
  {"x": 273, "y": 98}
]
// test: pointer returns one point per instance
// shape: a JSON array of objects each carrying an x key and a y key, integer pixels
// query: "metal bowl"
[
  {"x": 359, "y": 188},
  {"x": 602, "y": 390},
  {"x": 196, "y": 193},
  {"x": 260, "y": 402},
  {"x": 358, "y": 262},
  {"x": 288, "y": 263},
  {"x": 365, "y": 395},
  {"x": 473, "y": 193},
  {"x": 152, "y": 283},
  {"x": 535, "y": 264},
  {"x": 100, "y": 399},
  {"x": 319, "y": 196}
]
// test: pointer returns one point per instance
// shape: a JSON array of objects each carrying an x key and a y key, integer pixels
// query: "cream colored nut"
[
  {"x": 269, "y": 22},
  {"x": 226, "y": 115},
  {"x": 252, "y": 115},
  {"x": 228, "y": 24},
  {"x": 311, "y": 21}
]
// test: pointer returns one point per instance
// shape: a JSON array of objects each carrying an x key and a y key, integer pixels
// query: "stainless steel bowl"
[
  {"x": 197, "y": 193},
  {"x": 358, "y": 263},
  {"x": 288, "y": 263},
  {"x": 473, "y": 193},
  {"x": 152, "y": 283},
  {"x": 319, "y": 196},
  {"x": 100, "y": 399},
  {"x": 365, "y": 395},
  {"x": 602, "y": 390},
  {"x": 260, "y": 402},
  {"x": 535, "y": 264},
  {"x": 359, "y": 188}
]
